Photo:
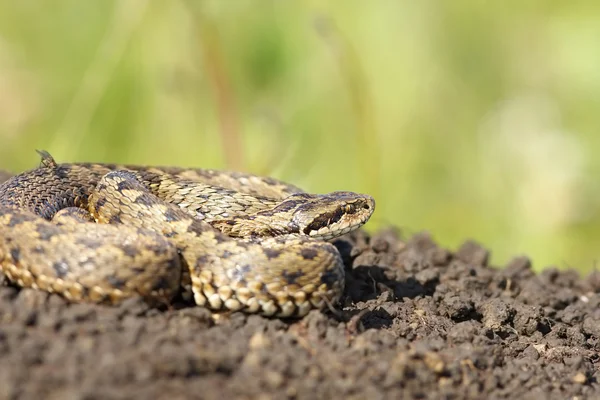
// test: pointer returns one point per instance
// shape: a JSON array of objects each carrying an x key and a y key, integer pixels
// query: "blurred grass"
[{"x": 467, "y": 119}]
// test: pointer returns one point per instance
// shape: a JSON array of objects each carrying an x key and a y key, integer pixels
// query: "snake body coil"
[{"x": 103, "y": 232}]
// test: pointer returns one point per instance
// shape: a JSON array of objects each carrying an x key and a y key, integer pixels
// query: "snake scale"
[{"x": 238, "y": 242}]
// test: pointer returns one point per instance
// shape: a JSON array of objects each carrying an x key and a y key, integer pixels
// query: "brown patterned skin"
[{"x": 102, "y": 233}]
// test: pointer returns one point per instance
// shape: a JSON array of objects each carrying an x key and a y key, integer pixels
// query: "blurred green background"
[{"x": 468, "y": 119}]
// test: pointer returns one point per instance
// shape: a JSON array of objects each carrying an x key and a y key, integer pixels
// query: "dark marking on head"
[
  {"x": 323, "y": 220},
  {"x": 308, "y": 254},
  {"x": 115, "y": 219},
  {"x": 61, "y": 268},
  {"x": 282, "y": 207}
]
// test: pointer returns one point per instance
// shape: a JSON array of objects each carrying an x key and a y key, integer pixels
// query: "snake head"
[
  {"x": 324, "y": 217},
  {"x": 330, "y": 215}
]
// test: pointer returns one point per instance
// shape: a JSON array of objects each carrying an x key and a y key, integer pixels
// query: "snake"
[{"x": 103, "y": 233}]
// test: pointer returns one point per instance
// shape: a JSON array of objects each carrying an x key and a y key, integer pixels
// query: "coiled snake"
[{"x": 103, "y": 233}]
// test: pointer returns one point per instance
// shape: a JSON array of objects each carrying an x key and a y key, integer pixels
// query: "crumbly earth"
[{"x": 417, "y": 321}]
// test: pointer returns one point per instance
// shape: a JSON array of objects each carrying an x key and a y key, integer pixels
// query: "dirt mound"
[{"x": 417, "y": 322}]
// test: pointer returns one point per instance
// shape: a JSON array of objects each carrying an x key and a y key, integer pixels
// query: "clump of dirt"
[{"x": 417, "y": 321}]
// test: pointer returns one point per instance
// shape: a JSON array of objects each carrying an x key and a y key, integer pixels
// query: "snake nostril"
[{"x": 366, "y": 206}]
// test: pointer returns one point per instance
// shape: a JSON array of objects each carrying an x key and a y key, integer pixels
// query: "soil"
[{"x": 417, "y": 321}]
